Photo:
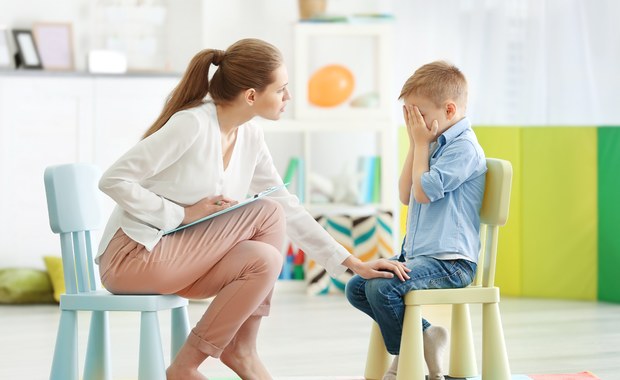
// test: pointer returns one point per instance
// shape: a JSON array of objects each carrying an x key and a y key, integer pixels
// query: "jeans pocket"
[{"x": 467, "y": 274}]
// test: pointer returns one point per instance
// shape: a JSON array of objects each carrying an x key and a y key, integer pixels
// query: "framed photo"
[
  {"x": 55, "y": 44},
  {"x": 6, "y": 53},
  {"x": 27, "y": 53}
]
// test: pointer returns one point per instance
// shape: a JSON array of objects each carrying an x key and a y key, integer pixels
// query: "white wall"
[
  {"x": 22, "y": 14},
  {"x": 529, "y": 62},
  {"x": 179, "y": 37}
]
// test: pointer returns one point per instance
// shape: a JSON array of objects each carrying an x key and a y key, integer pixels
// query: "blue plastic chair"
[{"x": 73, "y": 202}]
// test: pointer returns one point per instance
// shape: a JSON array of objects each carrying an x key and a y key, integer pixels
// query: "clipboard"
[{"x": 244, "y": 202}]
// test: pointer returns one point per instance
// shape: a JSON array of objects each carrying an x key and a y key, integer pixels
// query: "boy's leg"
[
  {"x": 355, "y": 291},
  {"x": 435, "y": 343},
  {"x": 385, "y": 296},
  {"x": 357, "y": 295}
]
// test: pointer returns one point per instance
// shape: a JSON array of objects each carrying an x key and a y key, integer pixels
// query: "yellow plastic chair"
[
  {"x": 73, "y": 203},
  {"x": 411, "y": 366}
]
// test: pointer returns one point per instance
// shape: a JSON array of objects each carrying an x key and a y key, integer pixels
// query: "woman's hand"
[
  {"x": 207, "y": 206},
  {"x": 380, "y": 268}
]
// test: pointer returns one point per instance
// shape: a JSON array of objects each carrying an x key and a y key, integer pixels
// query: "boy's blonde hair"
[{"x": 437, "y": 81}]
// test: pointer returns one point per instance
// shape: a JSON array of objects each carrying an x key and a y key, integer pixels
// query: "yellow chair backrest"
[{"x": 493, "y": 213}]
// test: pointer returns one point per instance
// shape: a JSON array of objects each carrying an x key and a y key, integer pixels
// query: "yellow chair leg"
[
  {"x": 378, "y": 359},
  {"x": 462, "y": 351},
  {"x": 494, "y": 357},
  {"x": 411, "y": 363}
]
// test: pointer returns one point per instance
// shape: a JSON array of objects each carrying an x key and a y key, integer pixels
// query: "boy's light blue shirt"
[{"x": 449, "y": 226}]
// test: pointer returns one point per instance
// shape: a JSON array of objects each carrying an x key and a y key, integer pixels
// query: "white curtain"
[{"x": 528, "y": 62}]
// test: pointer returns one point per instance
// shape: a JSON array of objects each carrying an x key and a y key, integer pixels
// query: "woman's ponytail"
[
  {"x": 192, "y": 88},
  {"x": 248, "y": 63}
]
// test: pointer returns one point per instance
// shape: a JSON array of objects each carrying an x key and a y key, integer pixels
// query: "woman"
[{"x": 201, "y": 155}]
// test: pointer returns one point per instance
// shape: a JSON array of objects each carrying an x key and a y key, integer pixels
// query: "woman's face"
[{"x": 270, "y": 102}]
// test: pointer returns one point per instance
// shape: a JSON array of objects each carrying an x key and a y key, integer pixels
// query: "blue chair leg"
[
  {"x": 180, "y": 330},
  {"x": 65, "y": 363},
  {"x": 151, "y": 366},
  {"x": 97, "y": 365}
]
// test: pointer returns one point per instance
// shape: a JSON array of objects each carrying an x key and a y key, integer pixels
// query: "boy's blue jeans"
[{"x": 382, "y": 298}]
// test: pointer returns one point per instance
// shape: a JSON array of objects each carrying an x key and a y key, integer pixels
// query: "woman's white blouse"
[{"x": 182, "y": 163}]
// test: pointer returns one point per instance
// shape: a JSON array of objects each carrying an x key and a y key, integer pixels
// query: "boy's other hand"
[{"x": 419, "y": 132}]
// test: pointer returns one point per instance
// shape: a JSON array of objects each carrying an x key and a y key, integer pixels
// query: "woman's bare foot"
[
  {"x": 247, "y": 365},
  {"x": 175, "y": 373},
  {"x": 185, "y": 364}
]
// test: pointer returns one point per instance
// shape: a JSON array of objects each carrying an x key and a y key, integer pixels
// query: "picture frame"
[
  {"x": 27, "y": 53},
  {"x": 55, "y": 45},
  {"x": 7, "y": 60}
]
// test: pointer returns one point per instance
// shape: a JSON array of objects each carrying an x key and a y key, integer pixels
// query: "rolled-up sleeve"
[
  {"x": 454, "y": 166},
  {"x": 302, "y": 228}
]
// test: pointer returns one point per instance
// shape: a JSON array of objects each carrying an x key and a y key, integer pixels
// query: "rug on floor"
[{"x": 567, "y": 376}]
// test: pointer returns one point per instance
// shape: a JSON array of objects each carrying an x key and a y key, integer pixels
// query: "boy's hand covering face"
[{"x": 416, "y": 126}]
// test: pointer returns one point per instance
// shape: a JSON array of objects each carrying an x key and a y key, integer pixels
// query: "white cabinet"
[
  {"x": 48, "y": 119},
  {"x": 40, "y": 124}
]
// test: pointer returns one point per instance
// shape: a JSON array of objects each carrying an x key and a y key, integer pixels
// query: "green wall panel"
[
  {"x": 559, "y": 229},
  {"x": 609, "y": 213},
  {"x": 505, "y": 143}
]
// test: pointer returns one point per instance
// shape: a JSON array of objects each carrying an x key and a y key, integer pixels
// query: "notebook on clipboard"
[{"x": 228, "y": 209}]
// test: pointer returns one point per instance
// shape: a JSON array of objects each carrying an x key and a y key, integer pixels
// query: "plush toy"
[{"x": 343, "y": 188}]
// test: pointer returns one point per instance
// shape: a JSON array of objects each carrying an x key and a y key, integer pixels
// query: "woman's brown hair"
[{"x": 248, "y": 63}]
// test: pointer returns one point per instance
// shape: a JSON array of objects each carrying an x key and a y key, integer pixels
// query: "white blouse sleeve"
[
  {"x": 302, "y": 228},
  {"x": 147, "y": 158}
]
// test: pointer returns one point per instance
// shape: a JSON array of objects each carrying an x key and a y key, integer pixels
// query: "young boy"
[{"x": 442, "y": 181}]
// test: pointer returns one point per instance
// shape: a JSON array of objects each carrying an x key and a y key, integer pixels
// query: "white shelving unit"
[
  {"x": 365, "y": 49},
  {"x": 342, "y": 41}
]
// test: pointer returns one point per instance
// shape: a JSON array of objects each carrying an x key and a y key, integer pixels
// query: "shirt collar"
[{"x": 454, "y": 131}]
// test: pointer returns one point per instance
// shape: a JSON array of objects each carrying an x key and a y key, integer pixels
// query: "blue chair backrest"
[{"x": 74, "y": 209}]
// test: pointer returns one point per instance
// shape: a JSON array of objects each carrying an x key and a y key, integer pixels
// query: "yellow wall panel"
[
  {"x": 559, "y": 191},
  {"x": 403, "y": 148},
  {"x": 505, "y": 143}
]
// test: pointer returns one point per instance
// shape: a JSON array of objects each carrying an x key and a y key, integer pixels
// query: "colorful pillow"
[
  {"x": 56, "y": 274},
  {"x": 368, "y": 237},
  {"x": 24, "y": 285}
]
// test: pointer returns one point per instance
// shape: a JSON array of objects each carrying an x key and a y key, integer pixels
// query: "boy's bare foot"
[
  {"x": 175, "y": 373},
  {"x": 392, "y": 371},
  {"x": 435, "y": 343}
]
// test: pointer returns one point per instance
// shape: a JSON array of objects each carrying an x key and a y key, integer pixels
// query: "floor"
[{"x": 323, "y": 337}]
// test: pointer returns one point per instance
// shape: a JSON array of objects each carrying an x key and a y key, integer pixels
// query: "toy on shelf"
[
  {"x": 368, "y": 100},
  {"x": 330, "y": 86},
  {"x": 295, "y": 173},
  {"x": 359, "y": 185}
]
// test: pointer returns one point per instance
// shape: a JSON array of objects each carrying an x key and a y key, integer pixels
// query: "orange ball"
[{"x": 330, "y": 85}]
